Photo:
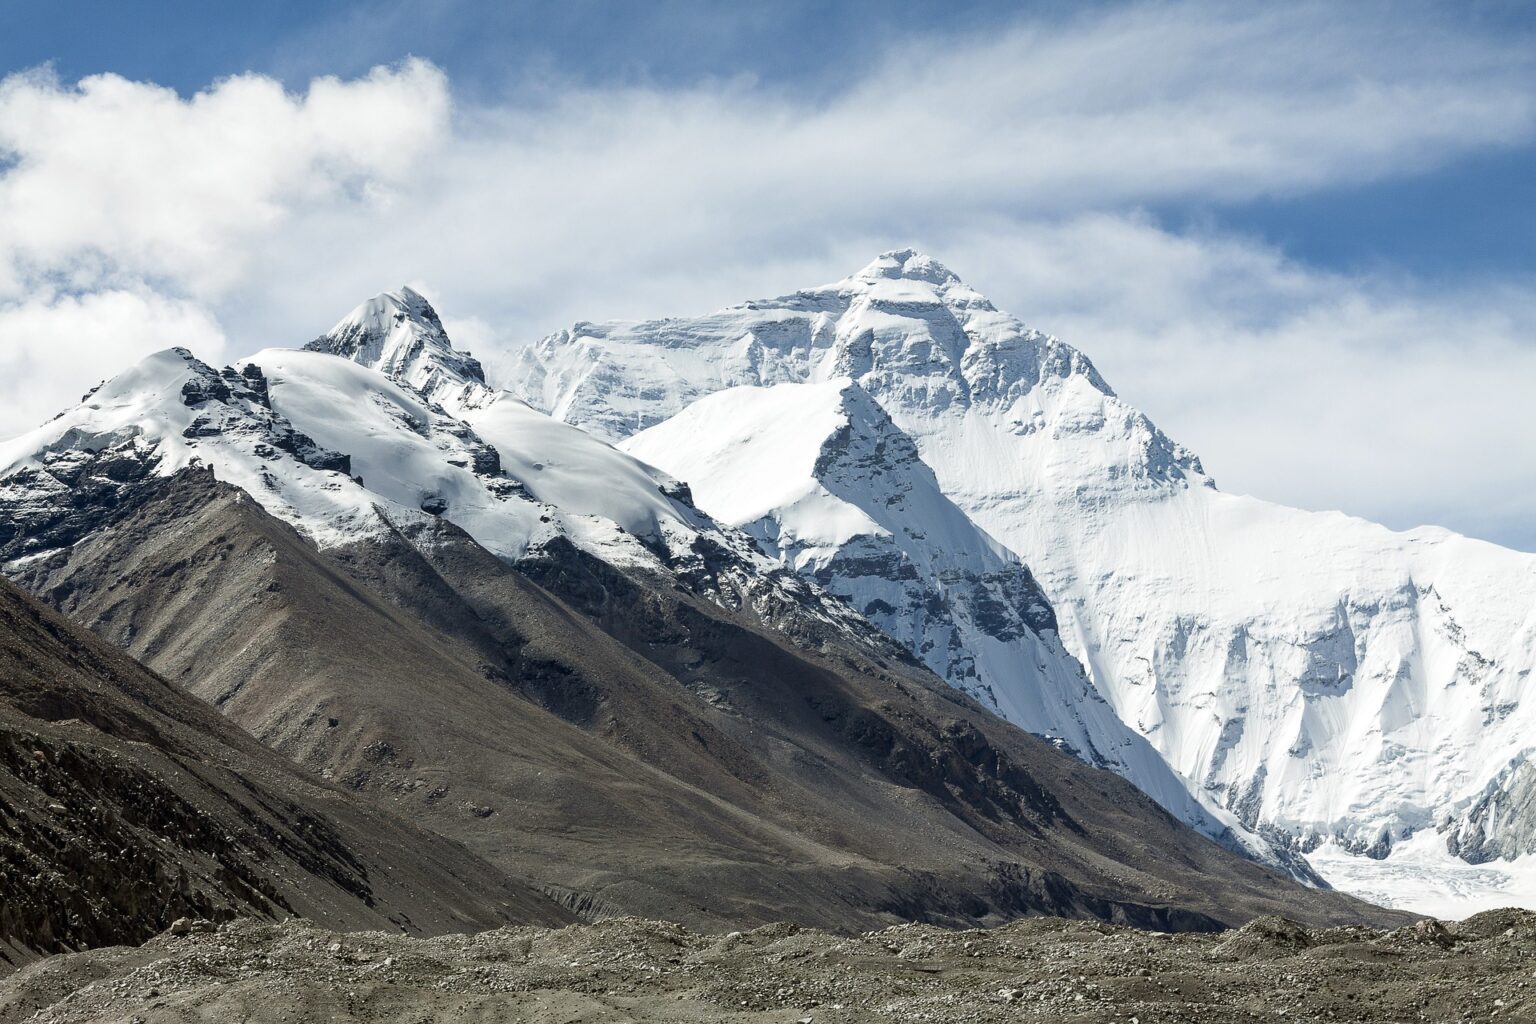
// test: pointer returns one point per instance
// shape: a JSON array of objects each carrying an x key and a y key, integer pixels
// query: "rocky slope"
[
  {"x": 1319, "y": 676},
  {"x": 631, "y": 970},
  {"x": 637, "y": 748},
  {"x": 125, "y": 804}
]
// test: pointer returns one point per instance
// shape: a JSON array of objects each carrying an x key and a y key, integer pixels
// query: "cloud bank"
[{"x": 132, "y": 218}]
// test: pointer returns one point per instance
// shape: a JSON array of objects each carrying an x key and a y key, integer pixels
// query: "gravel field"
[{"x": 1482, "y": 969}]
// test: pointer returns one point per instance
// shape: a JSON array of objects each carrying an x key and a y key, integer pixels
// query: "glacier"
[{"x": 1322, "y": 678}]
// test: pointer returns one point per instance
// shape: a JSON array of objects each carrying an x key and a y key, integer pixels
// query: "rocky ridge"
[{"x": 823, "y": 480}]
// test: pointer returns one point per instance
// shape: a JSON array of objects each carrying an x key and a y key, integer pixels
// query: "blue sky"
[
  {"x": 487, "y": 46},
  {"x": 1301, "y": 237}
]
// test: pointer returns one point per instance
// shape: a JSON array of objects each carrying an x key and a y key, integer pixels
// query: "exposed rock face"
[
  {"x": 1501, "y": 823},
  {"x": 75, "y": 478},
  {"x": 126, "y": 804},
  {"x": 400, "y": 334}
]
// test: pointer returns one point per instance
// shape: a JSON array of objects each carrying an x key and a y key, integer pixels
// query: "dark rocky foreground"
[
  {"x": 1040, "y": 969},
  {"x": 126, "y": 803}
]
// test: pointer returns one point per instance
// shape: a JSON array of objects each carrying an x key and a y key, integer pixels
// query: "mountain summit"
[
  {"x": 399, "y": 334},
  {"x": 905, "y": 327},
  {"x": 911, "y": 265},
  {"x": 1325, "y": 679}
]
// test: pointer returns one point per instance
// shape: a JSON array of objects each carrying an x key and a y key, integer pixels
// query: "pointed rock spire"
[{"x": 399, "y": 334}]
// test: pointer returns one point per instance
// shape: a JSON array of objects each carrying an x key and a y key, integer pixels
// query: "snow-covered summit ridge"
[
  {"x": 166, "y": 413},
  {"x": 643, "y": 517},
  {"x": 384, "y": 426},
  {"x": 905, "y": 327},
  {"x": 910, "y": 265}
]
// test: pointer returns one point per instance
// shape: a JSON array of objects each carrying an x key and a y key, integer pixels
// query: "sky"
[{"x": 1301, "y": 237}]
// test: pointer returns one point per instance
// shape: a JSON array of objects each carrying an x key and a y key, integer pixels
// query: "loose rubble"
[{"x": 1480, "y": 969}]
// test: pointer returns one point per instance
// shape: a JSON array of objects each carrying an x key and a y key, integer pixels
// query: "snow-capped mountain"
[
  {"x": 399, "y": 334},
  {"x": 462, "y": 609},
  {"x": 819, "y": 475},
  {"x": 350, "y": 448},
  {"x": 1312, "y": 672}
]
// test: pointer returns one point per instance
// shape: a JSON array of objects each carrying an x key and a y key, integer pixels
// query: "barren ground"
[{"x": 633, "y": 970}]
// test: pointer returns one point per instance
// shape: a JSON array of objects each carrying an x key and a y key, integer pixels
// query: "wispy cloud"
[
  {"x": 1022, "y": 158},
  {"x": 1366, "y": 393}
]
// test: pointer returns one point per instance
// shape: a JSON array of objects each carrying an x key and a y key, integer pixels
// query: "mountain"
[
  {"x": 508, "y": 631},
  {"x": 399, "y": 334},
  {"x": 1320, "y": 676},
  {"x": 823, "y": 480},
  {"x": 547, "y": 478},
  {"x": 344, "y": 454},
  {"x": 125, "y": 803}
]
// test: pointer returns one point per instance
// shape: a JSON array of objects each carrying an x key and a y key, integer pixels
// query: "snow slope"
[
  {"x": 825, "y": 482},
  {"x": 562, "y": 467},
  {"x": 166, "y": 413},
  {"x": 575, "y": 485},
  {"x": 386, "y": 456},
  {"x": 345, "y": 452},
  {"x": 1315, "y": 673}
]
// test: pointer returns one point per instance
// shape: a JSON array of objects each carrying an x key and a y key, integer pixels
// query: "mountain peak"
[
  {"x": 907, "y": 264},
  {"x": 399, "y": 334},
  {"x": 403, "y": 305}
]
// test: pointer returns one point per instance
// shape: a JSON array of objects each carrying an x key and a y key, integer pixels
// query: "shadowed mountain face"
[
  {"x": 636, "y": 747},
  {"x": 125, "y": 803}
]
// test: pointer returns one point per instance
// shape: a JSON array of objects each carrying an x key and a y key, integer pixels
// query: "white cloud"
[
  {"x": 52, "y": 349},
  {"x": 1357, "y": 392},
  {"x": 1019, "y": 158},
  {"x": 111, "y": 177}
]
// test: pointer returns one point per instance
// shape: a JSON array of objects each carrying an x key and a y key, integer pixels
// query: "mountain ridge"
[
  {"x": 861, "y": 514},
  {"x": 125, "y": 803}
]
